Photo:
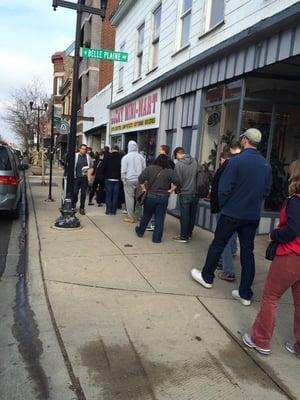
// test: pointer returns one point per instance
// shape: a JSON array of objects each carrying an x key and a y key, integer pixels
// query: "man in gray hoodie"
[
  {"x": 132, "y": 165},
  {"x": 186, "y": 169}
]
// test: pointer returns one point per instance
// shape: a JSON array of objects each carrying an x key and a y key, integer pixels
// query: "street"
[
  {"x": 22, "y": 375},
  {"x": 20, "y": 348},
  {"x": 101, "y": 314}
]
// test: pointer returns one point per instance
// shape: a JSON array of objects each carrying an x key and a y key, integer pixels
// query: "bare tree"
[{"x": 18, "y": 115}]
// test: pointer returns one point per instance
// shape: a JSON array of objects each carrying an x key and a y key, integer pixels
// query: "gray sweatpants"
[{"x": 129, "y": 190}]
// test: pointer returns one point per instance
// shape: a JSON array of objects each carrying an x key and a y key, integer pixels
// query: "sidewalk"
[{"x": 136, "y": 326}]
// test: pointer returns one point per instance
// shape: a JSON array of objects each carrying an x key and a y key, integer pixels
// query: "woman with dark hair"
[
  {"x": 284, "y": 272},
  {"x": 158, "y": 180}
]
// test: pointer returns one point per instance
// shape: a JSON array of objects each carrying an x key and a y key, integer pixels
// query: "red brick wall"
[{"x": 107, "y": 42}]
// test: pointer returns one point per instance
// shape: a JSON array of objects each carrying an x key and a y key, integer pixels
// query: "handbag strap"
[{"x": 154, "y": 179}]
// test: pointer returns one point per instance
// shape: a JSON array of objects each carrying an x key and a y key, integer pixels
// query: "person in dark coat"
[
  {"x": 112, "y": 175},
  {"x": 159, "y": 180},
  {"x": 98, "y": 185}
]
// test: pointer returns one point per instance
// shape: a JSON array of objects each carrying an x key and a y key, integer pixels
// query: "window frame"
[
  {"x": 182, "y": 15},
  {"x": 121, "y": 69},
  {"x": 140, "y": 51},
  {"x": 208, "y": 26},
  {"x": 155, "y": 39}
]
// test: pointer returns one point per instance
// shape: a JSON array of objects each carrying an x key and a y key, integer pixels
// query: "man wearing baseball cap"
[{"x": 243, "y": 187}]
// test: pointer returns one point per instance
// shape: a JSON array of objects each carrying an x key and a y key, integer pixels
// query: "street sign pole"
[{"x": 50, "y": 199}]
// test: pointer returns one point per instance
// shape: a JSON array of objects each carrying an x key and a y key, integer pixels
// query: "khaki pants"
[{"x": 134, "y": 210}]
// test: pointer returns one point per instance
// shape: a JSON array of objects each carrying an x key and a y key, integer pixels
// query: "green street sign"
[{"x": 106, "y": 55}]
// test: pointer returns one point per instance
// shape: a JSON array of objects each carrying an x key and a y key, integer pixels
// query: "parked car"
[{"x": 11, "y": 180}]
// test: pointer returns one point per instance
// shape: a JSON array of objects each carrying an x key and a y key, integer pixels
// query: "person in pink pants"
[{"x": 284, "y": 273}]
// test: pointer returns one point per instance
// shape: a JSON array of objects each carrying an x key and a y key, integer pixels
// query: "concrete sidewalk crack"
[
  {"x": 123, "y": 253},
  {"x": 276, "y": 381},
  {"x": 140, "y": 364}
]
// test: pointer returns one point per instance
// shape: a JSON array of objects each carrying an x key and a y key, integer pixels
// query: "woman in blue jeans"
[{"x": 158, "y": 180}]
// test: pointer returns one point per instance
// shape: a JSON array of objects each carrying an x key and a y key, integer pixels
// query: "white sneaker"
[
  {"x": 236, "y": 296},
  {"x": 249, "y": 342},
  {"x": 290, "y": 347},
  {"x": 124, "y": 211},
  {"x": 150, "y": 228},
  {"x": 197, "y": 275}
]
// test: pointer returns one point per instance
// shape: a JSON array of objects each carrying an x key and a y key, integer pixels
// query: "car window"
[{"x": 5, "y": 163}]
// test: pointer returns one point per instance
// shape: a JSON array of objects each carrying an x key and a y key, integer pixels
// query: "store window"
[
  {"x": 147, "y": 144},
  {"x": 116, "y": 141},
  {"x": 155, "y": 36},
  {"x": 220, "y": 121},
  {"x": 170, "y": 140},
  {"x": 185, "y": 22},
  {"x": 187, "y": 139}
]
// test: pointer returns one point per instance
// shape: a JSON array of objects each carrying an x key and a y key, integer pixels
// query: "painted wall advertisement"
[{"x": 140, "y": 114}]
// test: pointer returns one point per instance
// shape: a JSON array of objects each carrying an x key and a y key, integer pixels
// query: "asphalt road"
[
  {"x": 21, "y": 376},
  {"x": 5, "y": 232}
]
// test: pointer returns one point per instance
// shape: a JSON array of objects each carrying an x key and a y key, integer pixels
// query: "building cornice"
[
  {"x": 121, "y": 11},
  {"x": 286, "y": 18}
]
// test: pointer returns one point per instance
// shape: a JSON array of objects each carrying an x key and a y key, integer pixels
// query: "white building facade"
[
  {"x": 96, "y": 132},
  {"x": 220, "y": 67}
]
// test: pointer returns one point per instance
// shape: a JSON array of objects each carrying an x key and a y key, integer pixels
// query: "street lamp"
[
  {"x": 39, "y": 109},
  {"x": 68, "y": 218}
]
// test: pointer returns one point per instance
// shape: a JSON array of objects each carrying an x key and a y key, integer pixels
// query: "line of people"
[{"x": 238, "y": 191}]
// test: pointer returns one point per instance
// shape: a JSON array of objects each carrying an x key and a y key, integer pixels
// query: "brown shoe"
[
  {"x": 129, "y": 220},
  {"x": 81, "y": 211},
  {"x": 226, "y": 277}
]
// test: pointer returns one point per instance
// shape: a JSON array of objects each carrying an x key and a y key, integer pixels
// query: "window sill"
[
  {"x": 136, "y": 80},
  {"x": 212, "y": 29},
  {"x": 152, "y": 70},
  {"x": 181, "y": 50}
]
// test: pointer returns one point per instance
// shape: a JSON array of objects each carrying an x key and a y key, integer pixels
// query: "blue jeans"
[
  {"x": 188, "y": 211},
  {"x": 226, "y": 258},
  {"x": 246, "y": 231},
  {"x": 112, "y": 189},
  {"x": 80, "y": 184},
  {"x": 156, "y": 206}
]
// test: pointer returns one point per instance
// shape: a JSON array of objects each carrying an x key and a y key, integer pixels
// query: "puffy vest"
[{"x": 294, "y": 245}]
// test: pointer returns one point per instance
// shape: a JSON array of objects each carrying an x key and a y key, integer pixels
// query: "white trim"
[
  {"x": 85, "y": 72},
  {"x": 58, "y": 74}
]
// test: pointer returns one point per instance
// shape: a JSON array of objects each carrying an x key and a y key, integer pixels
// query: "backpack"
[{"x": 202, "y": 183}]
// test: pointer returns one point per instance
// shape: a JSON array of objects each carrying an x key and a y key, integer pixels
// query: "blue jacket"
[{"x": 244, "y": 184}]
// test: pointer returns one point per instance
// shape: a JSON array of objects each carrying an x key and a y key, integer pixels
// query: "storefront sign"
[{"x": 140, "y": 114}]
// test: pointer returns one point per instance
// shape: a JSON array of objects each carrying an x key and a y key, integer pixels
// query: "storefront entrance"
[
  {"x": 264, "y": 100},
  {"x": 146, "y": 141}
]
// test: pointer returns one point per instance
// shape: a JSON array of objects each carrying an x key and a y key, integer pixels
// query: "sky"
[{"x": 30, "y": 32}]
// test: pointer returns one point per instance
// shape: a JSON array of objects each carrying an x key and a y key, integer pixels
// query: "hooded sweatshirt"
[
  {"x": 132, "y": 164},
  {"x": 187, "y": 169}
]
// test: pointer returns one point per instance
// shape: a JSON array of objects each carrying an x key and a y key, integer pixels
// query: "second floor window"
[
  {"x": 121, "y": 70},
  {"x": 58, "y": 85},
  {"x": 140, "y": 49},
  {"x": 155, "y": 36},
  {"x": 215, "y": 13},
  {"x": 185, "y": 22}
]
